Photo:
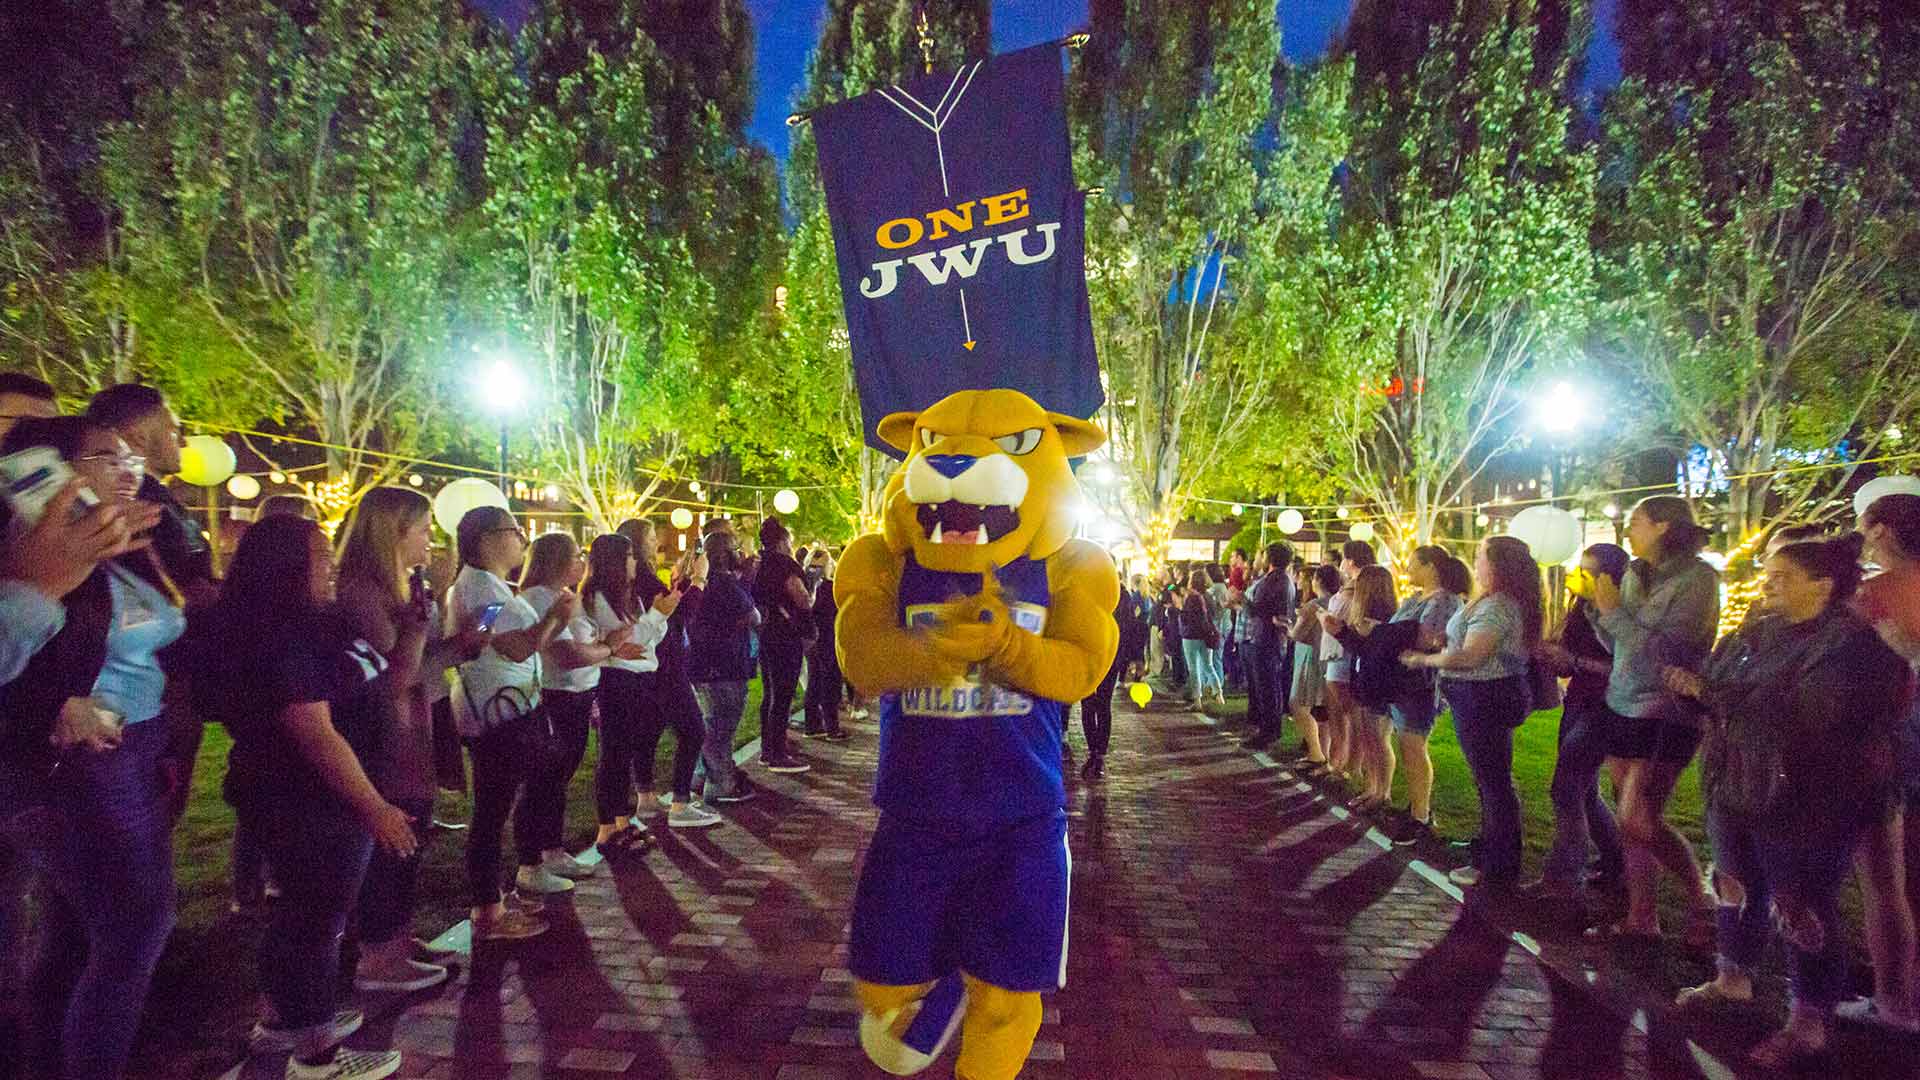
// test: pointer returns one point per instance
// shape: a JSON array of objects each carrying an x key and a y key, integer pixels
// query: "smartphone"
[
  {"x": 31, "y": 478},
  {"x": 417, "y": 590},
  {"x": 487, "y": 615}
]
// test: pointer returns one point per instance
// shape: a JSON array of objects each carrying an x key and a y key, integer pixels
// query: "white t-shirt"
[
  {"x": 579, "y": 629},
  {"x": 1329, "y": 645},
  {"x": 648, "y": 630},
  {"x": 498, "y": 687}
]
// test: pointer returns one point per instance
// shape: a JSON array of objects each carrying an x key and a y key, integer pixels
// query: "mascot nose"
[{"x": 951, "y": 465}]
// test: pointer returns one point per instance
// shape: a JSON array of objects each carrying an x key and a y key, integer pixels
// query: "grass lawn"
[{"x": 205, "y": 994}]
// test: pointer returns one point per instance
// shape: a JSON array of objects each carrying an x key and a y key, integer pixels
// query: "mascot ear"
[
  {"x": 896, "y": 430},
  {"x": 1081, "y": 437}
]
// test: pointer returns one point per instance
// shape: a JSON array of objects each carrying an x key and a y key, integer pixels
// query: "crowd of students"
[
  {"x": 1803, "y": 721},
  {"x": 350, "y": 678}
]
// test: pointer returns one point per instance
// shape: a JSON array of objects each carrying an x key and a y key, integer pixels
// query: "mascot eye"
[
  {"x": 1021, "y": 442},
  {"x": 928, "y": 437}
]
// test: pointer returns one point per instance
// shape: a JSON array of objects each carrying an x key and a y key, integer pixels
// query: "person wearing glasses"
[
  {"x": 83, "y": 742},
  {"x": 497, "y": 708},
  {"x": 140, "y": 415}
]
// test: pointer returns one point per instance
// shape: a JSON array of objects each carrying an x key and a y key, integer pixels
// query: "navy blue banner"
[{"x": 961, "y": 238}]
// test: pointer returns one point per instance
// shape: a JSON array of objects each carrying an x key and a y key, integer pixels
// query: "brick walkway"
[{"x": 1224, "y": 924}]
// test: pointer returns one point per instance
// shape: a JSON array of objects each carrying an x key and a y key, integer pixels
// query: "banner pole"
[{"x": 1075, "y": 40}]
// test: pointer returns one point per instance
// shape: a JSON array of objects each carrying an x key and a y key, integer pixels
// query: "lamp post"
[{"x": 503, "y": 392}]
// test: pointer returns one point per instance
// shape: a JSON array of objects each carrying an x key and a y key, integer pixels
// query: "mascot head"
[{"x": 985, "y": 482}]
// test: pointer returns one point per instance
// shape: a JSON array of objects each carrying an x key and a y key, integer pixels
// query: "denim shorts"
[{"x": 1414, "y": 716}]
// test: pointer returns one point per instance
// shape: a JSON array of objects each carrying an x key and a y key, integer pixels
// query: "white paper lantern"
[
  {"x": 468, "y": 493},
  {"x": 1551, "y": 533},
  {"x": 1880, "y": 487},
  {"x": 242, "y": 486},
  {"x": 206, "y": 461},
  {"x": 1291, "y": 521},
  {"x": 681, "y": 517},
  {"x": 1362, "y": 531},
  {"x": 786, "y": 501}
]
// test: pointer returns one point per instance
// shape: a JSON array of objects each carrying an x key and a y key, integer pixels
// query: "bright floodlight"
[
  {"x": 1559, "y": 409},
  {"x": 502, "y": 389}
]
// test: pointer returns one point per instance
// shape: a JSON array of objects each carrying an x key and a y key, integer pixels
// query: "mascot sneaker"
[{"x": 912, "y": 1037}]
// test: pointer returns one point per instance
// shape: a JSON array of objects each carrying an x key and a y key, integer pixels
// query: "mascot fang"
[{"x": 975, "y": 617}]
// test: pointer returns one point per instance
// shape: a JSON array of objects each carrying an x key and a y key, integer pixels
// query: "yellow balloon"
[
  {"x": 206, "y": 461},
  {"x": 1141, "y": 693}
]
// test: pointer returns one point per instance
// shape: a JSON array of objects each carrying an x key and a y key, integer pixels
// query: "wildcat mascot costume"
[{"x": 975, "y": 617}]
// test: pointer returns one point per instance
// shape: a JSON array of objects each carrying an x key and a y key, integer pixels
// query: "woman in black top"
[
  {"x": 1803, "y": 710},
  {"x": 825, "y": 685},
  {"x": 294, "y": 687},
  {"x": 780, "y": 592},
  {"x": 1580, "y": 815},
  {"x": 669, "y": 694}
]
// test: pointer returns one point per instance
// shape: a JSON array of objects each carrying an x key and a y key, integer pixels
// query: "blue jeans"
[
  {"x": 1579, "y": 813},
  {"x": 1808, "y": 869},
  {"x": 1485, "y": 712},
  {"x": 108, "y": 857},
  {"x": 723, "y": 703},
  {"x": 1201, "y": 674},
  {"x": 319, "y": 856}
]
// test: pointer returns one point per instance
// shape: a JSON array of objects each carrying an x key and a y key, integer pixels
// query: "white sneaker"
[
  {"x": 348, "y": 1065},
  {"x": 1464, "y": 876},
  {"x": 538, "y": 879},
  {"x": 279, "y": 1040},
  {"x": 1866, "y": 1011},
  {"x": 409, "y": 976},
  {"x": 568, "y": 866},
  {"x": 692, "y": 817}
]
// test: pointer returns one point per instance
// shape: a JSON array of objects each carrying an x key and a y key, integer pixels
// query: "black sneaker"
[
  {"x": 785, "y": 764},
  {"x": 742, "y": 791},
  {"x": 1409, "y": 831},
  {"x": 1094, "y": 769},
  {"x": 836, "y": 736}
]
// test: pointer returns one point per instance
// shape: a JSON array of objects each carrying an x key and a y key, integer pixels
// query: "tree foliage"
[{"x": 1761, "y": 220}]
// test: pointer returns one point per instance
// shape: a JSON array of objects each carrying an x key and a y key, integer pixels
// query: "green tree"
[
  {"x": 1757, "y": 243},
  {"x": 1187, "y": 243},
  {"x": 1469, "y": 277},
  {"x": 296, "y": 179}
]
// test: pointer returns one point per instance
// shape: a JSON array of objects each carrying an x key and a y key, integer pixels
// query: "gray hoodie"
[{"x": 1667, "y": 618}]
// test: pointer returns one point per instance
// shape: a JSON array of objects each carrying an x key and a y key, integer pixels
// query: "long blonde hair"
[{"x": 371, "y": 550}]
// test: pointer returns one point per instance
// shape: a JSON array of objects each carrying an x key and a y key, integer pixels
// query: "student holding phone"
[
  {"x": 78, "y": 735},
  {"x": 497, "y": 709}
]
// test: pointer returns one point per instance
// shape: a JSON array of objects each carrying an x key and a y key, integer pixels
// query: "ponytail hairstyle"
[
  {"x": 371, "y": 550},
  {"x": 1373, "y": 593},
  {"x": 548, "y": 559},
  {"x": 1455, "y": 576},
  {"x": 1685, "y": 536},
  {"x": 1835, "y": 560},
  {"x": 1517, "y": 577},
  {"x": 607, "y": 574},
  {"x": 1901, "y": 515}
]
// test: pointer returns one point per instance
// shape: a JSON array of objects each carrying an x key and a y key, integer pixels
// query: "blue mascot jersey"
[{"x": 970, "y": 753}]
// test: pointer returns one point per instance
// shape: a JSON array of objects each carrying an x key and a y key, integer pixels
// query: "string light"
[
  {"x": 332, "y": 498},
  {"x": 1742, "y": 594}
]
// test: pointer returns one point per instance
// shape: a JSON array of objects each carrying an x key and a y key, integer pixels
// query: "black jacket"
[
  {"x": 1379, "y": 678},
  {"x": 177, "y": 540}
]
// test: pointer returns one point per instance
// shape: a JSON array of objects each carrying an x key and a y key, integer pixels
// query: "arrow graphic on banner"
[{"x": 966, "y": 323}]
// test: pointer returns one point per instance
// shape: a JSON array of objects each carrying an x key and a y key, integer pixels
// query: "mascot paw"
[
  {"x": 908, "y": 1039},
  {"x": 971, "y": 630}
]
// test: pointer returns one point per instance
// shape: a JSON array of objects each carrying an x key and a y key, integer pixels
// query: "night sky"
[{"x": 785, "y": 30}]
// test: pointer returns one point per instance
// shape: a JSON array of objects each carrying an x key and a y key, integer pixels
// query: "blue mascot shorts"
[{"x": 933, "y": 898}]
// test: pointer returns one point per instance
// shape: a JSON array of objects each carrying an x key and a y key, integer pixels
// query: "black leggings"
[
  {"x": 571, "y": 714},
  {"x": 779, "y": 679},
  {"x": 668, "y": 704},
  {"x": 500, "y": 760},
  {"x": 1096, "y": 712},
  {"x": 624, "y": 710},
  {"x": 824, "y": 690}
]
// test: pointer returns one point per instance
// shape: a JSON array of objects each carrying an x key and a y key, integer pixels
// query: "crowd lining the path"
[{"x": 330, "y": 669}]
